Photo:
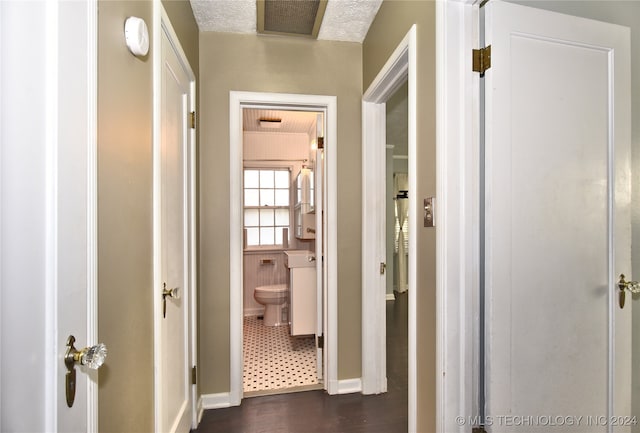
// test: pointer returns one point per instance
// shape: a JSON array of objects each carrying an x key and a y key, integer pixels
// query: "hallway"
[{"x": 316, "y": 412}]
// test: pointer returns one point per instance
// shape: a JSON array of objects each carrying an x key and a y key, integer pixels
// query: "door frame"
[
  {"x": 162, "y": 23},
  {"x": 457, "y": 215},
  {"x": 238, "y": 100},
  {"x": 400, "y": 67}
]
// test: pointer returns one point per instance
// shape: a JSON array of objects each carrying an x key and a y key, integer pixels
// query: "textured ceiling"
[{"x": 344, "y": 20}]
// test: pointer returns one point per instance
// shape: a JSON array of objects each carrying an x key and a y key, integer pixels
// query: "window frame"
[{"x": 268, "y": 167}]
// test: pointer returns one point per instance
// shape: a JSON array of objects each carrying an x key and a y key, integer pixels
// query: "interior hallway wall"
[
  {"x": 393, "y": 21},
  {"x": 284, "y": 65},
  {"x": 125, "y": 223},
  {"x": 125, "y": 212}
]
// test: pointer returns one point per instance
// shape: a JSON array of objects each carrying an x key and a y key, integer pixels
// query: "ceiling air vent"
[{"x": 291, "y": 17}]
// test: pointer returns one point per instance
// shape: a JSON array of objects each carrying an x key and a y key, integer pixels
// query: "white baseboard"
[
  {"x": 391, "y": 297},
  {"x": 200, "y": 410},
  {"x": 258, "y": 311},
  {"x": 223, "y": 399},
  {"x": 215, "y": 401},
  {"x": 349, "y": 386}
]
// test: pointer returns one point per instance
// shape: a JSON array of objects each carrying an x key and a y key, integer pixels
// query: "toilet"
[{"x": 273, "y": 297}]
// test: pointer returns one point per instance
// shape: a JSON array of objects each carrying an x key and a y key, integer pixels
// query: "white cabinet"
[
  {"x": 302, "y": 290},
  {"x": 305, "y": 223},
  {"x": 303, "y": 301}
]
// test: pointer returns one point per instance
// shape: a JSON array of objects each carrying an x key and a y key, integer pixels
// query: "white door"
[
  {"x": 47, "y": 218},
  {"x": 174, "y": 361},
  {"x": 557, "y": 222}
]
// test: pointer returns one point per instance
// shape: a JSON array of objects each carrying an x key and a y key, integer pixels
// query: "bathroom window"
[{"x": 266, "y": 206}]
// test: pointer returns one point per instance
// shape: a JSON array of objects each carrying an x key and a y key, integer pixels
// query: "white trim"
[
  {"x": 238, "y": 100},
  {"x": 457, "y": 213},
  {"x": 51, "y": 220},
  {"x": 349, "y": 386},
  {"x": 162, "y": 23},
  {"x": 2, "y": 247},
  {"x": 156, "y": 58},
  {"x": 256, "y": 311},
  {"x": 401, "y": 65},
  {"x": 390, "y": 297},
  {"x": 92, "y": 205},
  {"x": 215, "y": 401}
]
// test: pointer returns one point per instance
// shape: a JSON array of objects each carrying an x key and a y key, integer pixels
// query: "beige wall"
[
  {"x": 181, "y": 16},
  {"x": 287, "y": 65},
  {"x": 392, "y": 23},
  {"x": 124, "y": 223},
  {"x": 125, "y": 248}
]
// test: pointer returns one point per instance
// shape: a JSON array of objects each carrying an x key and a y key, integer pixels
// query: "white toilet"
[{"x": 273, "y": 297}]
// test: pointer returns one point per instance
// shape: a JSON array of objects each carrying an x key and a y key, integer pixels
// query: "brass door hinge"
[
  {"x": 320, "y": 142},
  {"x": 320, "y": 341},
  {"x": 482, "y": 60},
  {"x": 192, "y": 120},
  {"x": 194, "y": 375}
]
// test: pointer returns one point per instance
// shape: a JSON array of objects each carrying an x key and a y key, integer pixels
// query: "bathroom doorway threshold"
[{"x": 316, "y": 387}]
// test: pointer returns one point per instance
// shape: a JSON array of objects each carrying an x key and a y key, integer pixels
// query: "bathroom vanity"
[{"x": 302, "y": 290}]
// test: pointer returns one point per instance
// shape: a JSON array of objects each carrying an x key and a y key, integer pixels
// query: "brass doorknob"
[
  {"x": 171, "y": 293},
  {"x": 623, "y": 285},
  {"x": 92, "y": 356},
  {"x": 168, "y": 293}
]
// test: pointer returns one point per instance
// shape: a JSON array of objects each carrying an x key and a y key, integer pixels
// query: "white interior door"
[
  {"x": 557, "y": 222},
  {"x": 47, "y": 212},
  {"x": 175, "y": 359}
]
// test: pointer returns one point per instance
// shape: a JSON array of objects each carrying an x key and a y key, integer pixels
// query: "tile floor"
[{"x": 273, "y": 360}]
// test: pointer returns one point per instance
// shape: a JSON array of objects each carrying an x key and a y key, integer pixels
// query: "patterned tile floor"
[{"x": 273, "y": 360}]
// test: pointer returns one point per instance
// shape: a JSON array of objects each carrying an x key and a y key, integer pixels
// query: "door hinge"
[
  {"x": 320, "y": 142},
  {"x": 320, "y": 341},
  {"x": 192, "y": 120},
  {"x": 482, "y": 60},
  {"x": 194, "y": 375},
  {"x": 478, "y": 429}
]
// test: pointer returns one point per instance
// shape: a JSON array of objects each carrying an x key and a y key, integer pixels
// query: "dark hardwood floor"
[{"x": 316, "y": 411}]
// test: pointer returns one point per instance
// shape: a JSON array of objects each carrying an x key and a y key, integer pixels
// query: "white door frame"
[
  {"x": 161, "y": 23},
  {"x": 237, "y": 100},
  {"x": 401, "y": 66},
  {"x": 457, "y": 214}
]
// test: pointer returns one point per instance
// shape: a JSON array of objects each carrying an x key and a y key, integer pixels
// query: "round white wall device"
[{"x": 136, "y": 36}]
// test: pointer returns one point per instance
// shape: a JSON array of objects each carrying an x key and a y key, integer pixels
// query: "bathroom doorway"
[
  {"x": 282, "y": 160},
  {"x": 283, "y": 279}
]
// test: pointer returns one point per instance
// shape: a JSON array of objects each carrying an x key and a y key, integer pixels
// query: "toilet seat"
[
  {"x": 272, "y": 291},
  {"x": 272, "y": 288}
]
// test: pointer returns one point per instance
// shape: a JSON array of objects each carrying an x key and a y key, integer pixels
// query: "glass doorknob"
[{"x": 93, "y": 357}]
